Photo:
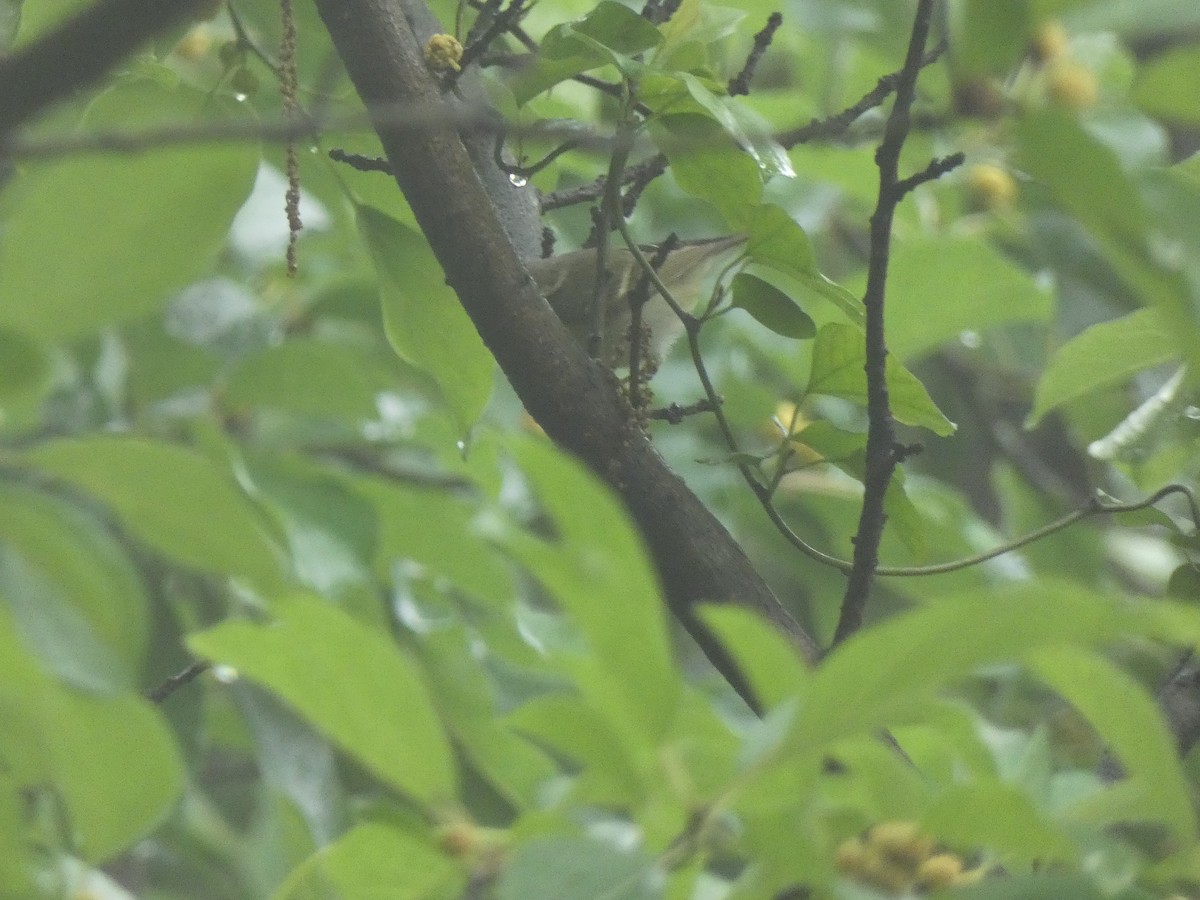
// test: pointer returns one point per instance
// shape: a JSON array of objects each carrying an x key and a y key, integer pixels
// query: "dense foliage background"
[{"x": 440, "y": 664}]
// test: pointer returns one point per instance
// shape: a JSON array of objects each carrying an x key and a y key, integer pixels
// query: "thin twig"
[
  {"x": 832, "y": 126},
  {"x": 881, "y": 456},
  {"x": 740, "y": 83},
  {"x": 175, "y": 682}
]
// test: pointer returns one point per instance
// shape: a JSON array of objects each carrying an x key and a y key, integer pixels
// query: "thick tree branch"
[
  {"x": 574, "y": 399},
  {"x": 80, "y": 51}
]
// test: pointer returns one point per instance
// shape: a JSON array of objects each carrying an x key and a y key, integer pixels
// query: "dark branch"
[
  {"x": 575, "y": 400},
  {"x": 740, "y": 83},
  {"x": 881, "y": 457},
  {"x": 175, "y": 682},
  {"x": 837, "y": 124},
  {"x": 80, "y": 52}
]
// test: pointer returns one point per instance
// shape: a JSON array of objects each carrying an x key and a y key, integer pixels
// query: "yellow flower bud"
[
  {"x": 991, "y": 187},
  {"x": 443, "y": 52},
  {"x": 1049, "y": 42},
  {"x": 939, "y": 871},
  {"x": 1071, "y": 85}
]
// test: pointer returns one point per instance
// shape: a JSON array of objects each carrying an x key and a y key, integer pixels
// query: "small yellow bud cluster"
[
  {"x": 443, "y": 53},
  {"x": 1068, "y": 83},
  {"x": 991, "y": 187},
  {"x": 195, "y": 45},
  {"x": 898, "y": 857}
]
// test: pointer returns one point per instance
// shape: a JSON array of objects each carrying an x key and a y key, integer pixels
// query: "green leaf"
[
  {"x": 577, "y": 868},
  {"x": 1184, "y": 583},
  {"x": 833, "y": 444},
  {"x": 771, "y": 307},
  {"x": 749, "y": 132},
  {"x": 871, "y": 678},
  {"x": 424, "y": 321},
  {"x": 1099, "y": 357},
  {"x": 773, "y": 667},
  {"x": 989, "y": 37},
  {"x": 374, "y": 862},
  {"x": 93, "y": 593},
  {"x": 170, "y": 497},
  {"x": 434, "y": 529},
  {"x": 64, "y": 640},
  {"x": 778, "y": 241},
  {"x": 1085, "y": 176},
  {"x": 941, "y": 286},
  {"x": 10, "y": 21},
  {"x": 599, "y": 573},
  {"x": 1168, "y": 86},
  {"x": 332, "y": 531},
  {"x": 25, "y": 369},
  {"x": 610, "y": 34},
  {"x": 79, "y": 746},
  {"x": 1015, "y": 827},
  {"x": 839, "y": 355},
  {"x": 1155, "y": 788},
  {"x": 1086, "y": 179},
  {"x": 609, "y": 773},
  {"x": 904, "y": 520},
  {"x": 706, "y": 165},
  {"x": 465, "y": 697},
  {"x": 351, "y": 683},
  {"x": 308, "y": 377},
  {"x": 97, "y": 239},
  {"x": 695, "y": 23}
]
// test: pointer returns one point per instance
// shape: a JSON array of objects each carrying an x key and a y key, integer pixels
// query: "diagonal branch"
[
  {"x": 79, "y": 52},
  {"x": 572, "y": 398}
]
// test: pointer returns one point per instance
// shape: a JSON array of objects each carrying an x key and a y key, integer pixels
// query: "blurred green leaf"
[
  {"x": 609, "y": 774},
  {"x": 1169, "y": 86},
  {"x": 695, "y": 23},
  {"x": 904, "y": 519},
  {"x": 1086, "y": 178},
  {"x": 25, "y": 368},
  {"x": 1184, "y": 583},
  {"x": 599, "y": 573},
  {"x": 1130, "y": 722},
  {"x": 989, "y": 38},
  {"x": 332, "y": 532},
  {"x": 467, "y": 702},
  {"x": 609, "y": 34},
  {"x": 349, "y": 681},
  {"x": 576, "y": 868},
  {"x": 308, "y": 377},
  {"x": 374, "y": 862},
  {"x": 78, "y": 746},
  {"x": 170, "y": 497},
  {"x": 1017, "y": 828},
  {"x": 1149, "y": 17},
  {"x": 424, "y": 321},
  {"x": 939, "y": 287},
  {"x": 774, "y": 668},
  {"x": 433, "y": 528},
  {"x": 1099, "y": 357},
  {"x": 879, "y": 672},
  {"x": 91, "y": 576},
  {"x": 104, "y": 238},
  {"x": 839, "y": 355}
]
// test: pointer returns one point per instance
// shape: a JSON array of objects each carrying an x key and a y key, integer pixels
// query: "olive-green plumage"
[{"x": 568, "y": 282}]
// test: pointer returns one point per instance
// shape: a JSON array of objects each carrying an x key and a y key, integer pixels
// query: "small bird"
[{"x": 568, "y": 282}]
